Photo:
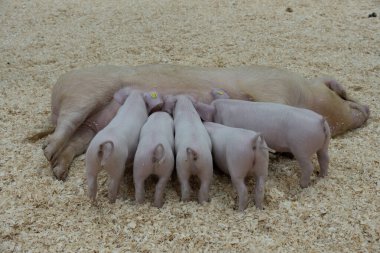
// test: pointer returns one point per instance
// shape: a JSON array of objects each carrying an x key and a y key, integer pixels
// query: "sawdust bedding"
[{"x": 40, "y": 40}]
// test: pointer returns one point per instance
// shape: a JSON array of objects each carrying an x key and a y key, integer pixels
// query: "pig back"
[
  {"x": 281, "y": 125},
  {"x": 159, "y": 128},
  {"x": 231, "y": 146},
  {"x": 189, "y": 130},
  {"x": 129, "y": 120}
]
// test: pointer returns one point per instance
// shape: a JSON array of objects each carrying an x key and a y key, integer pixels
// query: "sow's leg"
[{"x": 77, "y": 145}]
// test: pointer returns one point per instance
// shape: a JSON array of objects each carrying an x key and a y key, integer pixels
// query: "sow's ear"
[{"x": 205, "y": 111}]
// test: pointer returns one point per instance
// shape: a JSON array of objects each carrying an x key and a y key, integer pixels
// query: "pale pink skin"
[
  {"x": 240, "y": 153},
  {"x": 192, "y": 146},
  {"x": 81, "y": 93},
  {"x": 116, "y": 144},
  {"x": 285, "y": 129},
  {"x": 87, "y": 131},
  {"x": 93, "y": 125},
  {"x": 154, "y": 155}
]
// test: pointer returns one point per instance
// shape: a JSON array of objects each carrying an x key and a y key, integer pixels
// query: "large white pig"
[
  {"x": 81, "y": 93},
  {"x": 154, "y": 155},
  {"x": 240, "y": 153},
  {"x": 285, "y": 129},
  {"x": 116, "y": 144},
  {"x": 192, "y": 145}
]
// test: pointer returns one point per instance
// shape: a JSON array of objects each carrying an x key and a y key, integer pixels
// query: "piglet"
[
  {"x": 240, "y": 153},
  {"x": 116, "y": 144},
  {"x": 285, "y": 129},
  {"x": 154, "y": 155},
  {"x": 192, "y": 146}
]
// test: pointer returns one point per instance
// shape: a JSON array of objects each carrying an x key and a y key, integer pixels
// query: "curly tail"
[
  {"x": 191, "y": 154},
  {"x": 326, "y": 130},
  {"x": 105, "y": 151}
]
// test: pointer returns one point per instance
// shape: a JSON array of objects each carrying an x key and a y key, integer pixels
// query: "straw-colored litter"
[{"x": 40, "y": 40}]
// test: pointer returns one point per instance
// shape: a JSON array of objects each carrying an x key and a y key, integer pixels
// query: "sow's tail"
[
  {"x": 105, "y": 151},
  {"x": 37, "y": 136}
]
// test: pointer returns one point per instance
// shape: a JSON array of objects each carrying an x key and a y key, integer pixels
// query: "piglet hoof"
[
  {"x": 139, "y": 201},
  {"x": 92, "y": 196},
  {"x": 322, "y": 174},
  {"x": 112, "y": 199},
  {"x": 60, "y": 173},
  {"x": 259, "y": 206},
  {"x": 204, "y": 200},
  {"x": 185, "y": 197},
  {"x": 242, "y": 207},
  {"x": 304, "y": 184},
  {"x": 158, "y": 204},
  {"x": 93, "y": 202}
]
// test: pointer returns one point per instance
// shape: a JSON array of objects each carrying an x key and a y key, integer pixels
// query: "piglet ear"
[
  {"x": 121, "y": 95},
  {"x": 153, "y": 101},
  {"x": 205, "y": 111},
  {"x": 169, "y": 104}
]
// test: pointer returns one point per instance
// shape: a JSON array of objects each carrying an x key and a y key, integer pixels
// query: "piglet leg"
[
  {"x": 113, "y": 189},
  {"x": 141, "y": 171},
  {"x": 159, "y": 193},
  {"x": 92, "y": 182},
  {"x": 116, "y": 175},
  {"x": 242, "y": 191},
  {"x": 323, "y": 160},
  {"x": 306, "y": 170},
  {"x": 140, "y": 190},
  {"x": 203, "y": 194},
  {"x": 259, "y": 192},
  {"x": 183, "y": 177}
]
